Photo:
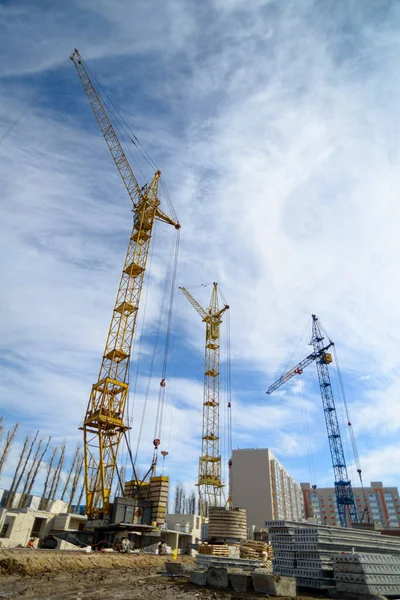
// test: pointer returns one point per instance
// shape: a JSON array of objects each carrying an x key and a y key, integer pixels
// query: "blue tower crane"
[{"x": 344, "y": 493}]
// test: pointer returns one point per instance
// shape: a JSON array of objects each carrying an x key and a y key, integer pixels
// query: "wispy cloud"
[{"x": 275, "y": 127}]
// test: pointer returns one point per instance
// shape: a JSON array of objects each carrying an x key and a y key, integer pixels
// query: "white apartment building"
[{"x": 262, "y": 486}]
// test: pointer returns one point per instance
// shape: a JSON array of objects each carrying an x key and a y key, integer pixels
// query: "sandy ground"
[{"x": 53, "y": 575}]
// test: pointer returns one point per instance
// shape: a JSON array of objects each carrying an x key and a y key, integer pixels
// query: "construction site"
[{"x": 94, "y": 521}]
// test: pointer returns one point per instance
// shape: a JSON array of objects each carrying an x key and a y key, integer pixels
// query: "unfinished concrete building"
[{"x": 19, "y": 525}]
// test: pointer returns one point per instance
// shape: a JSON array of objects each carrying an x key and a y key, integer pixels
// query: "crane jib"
[{"x": 298, "y": 369}]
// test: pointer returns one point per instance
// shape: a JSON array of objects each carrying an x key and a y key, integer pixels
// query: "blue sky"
[{"x": 275, "y": 126}]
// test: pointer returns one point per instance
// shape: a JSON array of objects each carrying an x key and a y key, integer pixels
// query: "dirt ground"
[{"x": 52, "y": 575}]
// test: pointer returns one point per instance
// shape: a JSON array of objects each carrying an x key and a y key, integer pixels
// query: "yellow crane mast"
[
  {"x": 104, "y": 422},
  {"x": 209, "y": 479}
]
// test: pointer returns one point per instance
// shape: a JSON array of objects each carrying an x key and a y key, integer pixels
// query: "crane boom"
[
  {"x": 194, "y": 303},
  {"x": 104, "y": 421},
  {"x": 209, "y": 478},
  {"x": 298, "y": 369},
  {"x": 343, "y": 490}
]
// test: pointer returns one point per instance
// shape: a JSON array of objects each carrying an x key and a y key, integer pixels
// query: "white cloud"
[
  {"x": 382, "y": 464},
  {"x": 275, "y": 132}
]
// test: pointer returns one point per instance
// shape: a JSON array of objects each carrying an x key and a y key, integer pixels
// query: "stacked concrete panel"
[
  {"x": 281, "y": 535},
  {"x": 158, "y": 496},
  {"x": 306, "y": 550},
  {"x": 366, "y": 573},
  {"x": 206, "y": 560},
  {"x": 155, "y": 491}
]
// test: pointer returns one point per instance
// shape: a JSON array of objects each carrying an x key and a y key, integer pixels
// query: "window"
[
  {"x": 7, "y": 528},
  {"x": 37, "y": 526},
  {"x": 129, "y": 513}
]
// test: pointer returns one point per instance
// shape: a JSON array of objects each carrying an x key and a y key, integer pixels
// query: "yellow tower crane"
[
  {"x": 209, "y": 479},
  {"x": 104, "y": 422}
]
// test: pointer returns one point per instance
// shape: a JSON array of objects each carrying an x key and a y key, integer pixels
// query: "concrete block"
[
  {"x": 218, "y": 578},
  {"x": 275, "y": 585},
  {"x": 187, "y": 568},
  {"x": 198, "y": 577},
  {"x": 173, "y": 568},
  {"x": 241, "y": 582}
]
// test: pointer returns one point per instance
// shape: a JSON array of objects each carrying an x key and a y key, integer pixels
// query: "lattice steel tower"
[
  {"x": 343, "y": 489},
  {"x": 209, "y": 479},
  {"x": 104, "y": 422}
]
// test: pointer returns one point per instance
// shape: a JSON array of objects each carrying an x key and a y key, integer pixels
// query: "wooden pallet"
[
  {"x": 257, "y": 550},
  {"x": 213, "y": 549}
]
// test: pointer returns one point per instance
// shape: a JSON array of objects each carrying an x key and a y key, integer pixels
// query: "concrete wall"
[
  {"x": 186, "y": 530},
  {"x": 192, "y": 521},
  {"x": 21, "y": 522}
]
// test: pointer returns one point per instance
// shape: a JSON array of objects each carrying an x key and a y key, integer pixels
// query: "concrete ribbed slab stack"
[
  {"x": 367, "y": 573},
  {"x": 306, "y": 550},
  {"x": 206, "y": 560},
  {"x": 281, "y": 534},
  {"x": 338, "y": 539}
]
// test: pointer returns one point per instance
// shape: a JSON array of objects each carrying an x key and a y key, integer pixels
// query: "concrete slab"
[
  {"x": 241, "y": 582},
  {"x": 274, "y": 585},
  {"x": 198, "y": 577},
  {"x": 173, "y": 568},
  {"x": 218, "y": 578}
]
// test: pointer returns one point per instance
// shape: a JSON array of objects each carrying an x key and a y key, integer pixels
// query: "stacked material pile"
[
  {"x": 155, "y": 491},
  {"x": 256, "y": 550},
  {"x": 364, "y": 573},
  {"x": 306, "y": 550},
  {"x": 214, "y": 549},
  {"x": 158, "y": 496},
  {"x": 313, "y": 559},
  {"x": 281, "y": 534},
  {"x": 316, "y": 546},
  {"x": 227, "y": 525}
]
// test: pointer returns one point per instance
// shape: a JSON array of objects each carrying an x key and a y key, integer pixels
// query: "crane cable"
[
  {"x": 294, "y": 351},
  {"x": 119, "y": 123},
  {"x": 124, "y": 129},
  {"x": 23, "y": 112},
  {"x": 306, "y": 428},
  {"x": 161, "y": 392},
  {"x": 171, "y": 395},
  {"x": 173, "y": 259},
  {"x": 227, "y": 437},
  {"x": 352, "y": 436}
]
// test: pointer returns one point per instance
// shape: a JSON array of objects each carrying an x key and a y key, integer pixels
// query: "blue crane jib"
[{"x": 344, "y": 493}]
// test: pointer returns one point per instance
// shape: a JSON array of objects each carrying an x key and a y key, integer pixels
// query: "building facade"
[
  {"x": 262, "y": 486},
  {"x": 382, "y": 503}
]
